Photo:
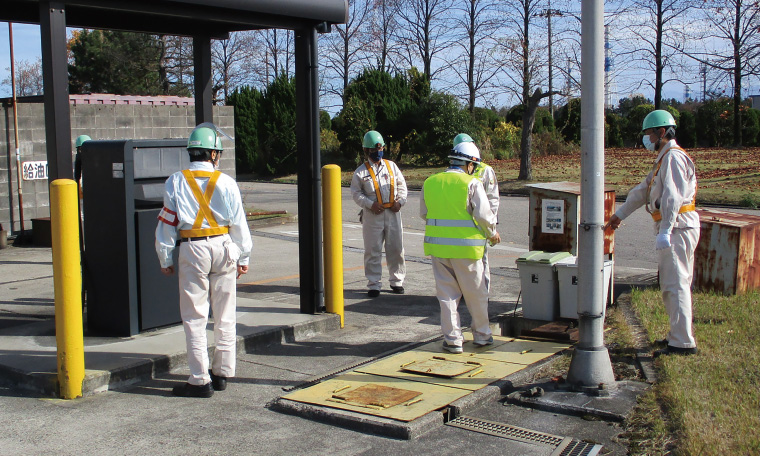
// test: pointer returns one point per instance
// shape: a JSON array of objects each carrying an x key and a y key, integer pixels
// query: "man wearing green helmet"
[
  {"x": 379, "y": 189},
  {"x": 81, "y": 139},
  {"x": 203, "y": 211},
  {"x": 487, "y": 176},
  {"x": 669, "y": 193}
]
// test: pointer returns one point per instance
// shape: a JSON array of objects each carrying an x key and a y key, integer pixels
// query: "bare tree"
[
  {"x": 423, "y": 33},
  {"x": 345, "y": 47},
  {"x": 476, "y": 67},
  {"x": 737, "y": 24},
  {"x": 656, "y": 31},
  {"x": 28, "y": 78},
  {"x": 229, "y": 58},
  {"x": 383, "y": 21},
  {"x": 523, "y": 64},
  {"x": 278, "y": 53},
  {"x": 177, "y": 61}
]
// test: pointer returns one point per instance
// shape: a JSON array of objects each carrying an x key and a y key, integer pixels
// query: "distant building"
[{"x": 755, "y": 101}]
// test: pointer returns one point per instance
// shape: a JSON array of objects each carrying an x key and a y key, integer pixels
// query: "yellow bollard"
[
  {"x": 67, "y": 279},
  {"x": 332, "y": 227}
]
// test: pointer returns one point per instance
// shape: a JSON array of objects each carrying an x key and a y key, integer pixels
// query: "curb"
[{"x": 98, "y": 381}]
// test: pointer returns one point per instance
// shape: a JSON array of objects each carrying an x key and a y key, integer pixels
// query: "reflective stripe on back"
[
  {"x": 455, "y": 241},
  {"x": 452, "y": 223}
]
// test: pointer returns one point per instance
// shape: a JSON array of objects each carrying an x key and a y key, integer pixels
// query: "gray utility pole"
[
  {"x": 548, "y": 13},
  {"x": 590, "y": 367}
]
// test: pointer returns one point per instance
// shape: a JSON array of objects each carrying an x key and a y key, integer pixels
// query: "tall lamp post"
[{"x": 548, "y": 13}]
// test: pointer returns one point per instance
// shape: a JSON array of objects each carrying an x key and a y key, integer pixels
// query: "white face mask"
[{"x": 647, "y": 143}]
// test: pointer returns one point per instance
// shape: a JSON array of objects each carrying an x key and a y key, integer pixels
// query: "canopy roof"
[{"x": 185, "y": 17}]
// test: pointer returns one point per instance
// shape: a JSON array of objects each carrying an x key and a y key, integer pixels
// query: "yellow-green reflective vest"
[
  {"x": 480, "y": 171},
  {"x": 451, "y": 231}
]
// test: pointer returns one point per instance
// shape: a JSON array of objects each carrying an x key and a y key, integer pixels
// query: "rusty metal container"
[
  {"x": 555, "y": 211},
  {"x": 727, "y": 259}
]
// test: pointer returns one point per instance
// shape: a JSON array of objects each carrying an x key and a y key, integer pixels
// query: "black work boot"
[
  {"x": 218, "y": 382},
  {"x": 188, "y": 390}
]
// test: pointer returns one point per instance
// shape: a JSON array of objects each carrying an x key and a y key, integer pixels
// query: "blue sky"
[
  {"x": 26, "y": 40},
  {"x": 26, "y": 46}
]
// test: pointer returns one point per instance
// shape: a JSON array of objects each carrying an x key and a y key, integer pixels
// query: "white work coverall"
[
  {"x": 675, "y": 185},
  {"x": 384, "y": 228},
  {"x": 491, "y": 186},
  {"x": 463, "y": 277},
  {"x": 207, "y": 268}
]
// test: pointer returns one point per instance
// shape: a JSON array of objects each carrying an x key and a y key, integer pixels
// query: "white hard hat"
[{"x": 466, "y": 151}]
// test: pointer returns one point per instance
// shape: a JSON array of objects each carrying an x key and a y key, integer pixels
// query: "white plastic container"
[
  {"x": 567, "y": 276},
  {"x": 538, "y": 280}
]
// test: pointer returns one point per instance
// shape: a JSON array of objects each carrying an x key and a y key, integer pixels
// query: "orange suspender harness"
[
  {"x": 204, "y": 210},
  {"x": 392, "y": 198},
  {"x": 685, "y": 208}
]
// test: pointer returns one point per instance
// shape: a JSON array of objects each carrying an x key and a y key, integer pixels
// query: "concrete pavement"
[{"x": 280, "y": 348}]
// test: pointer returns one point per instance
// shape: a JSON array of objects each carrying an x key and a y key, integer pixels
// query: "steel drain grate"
[
  {"x": 504, "y": 430},
  {"x": 577, "y": 448},
  {"x": 565, "y": 446}
]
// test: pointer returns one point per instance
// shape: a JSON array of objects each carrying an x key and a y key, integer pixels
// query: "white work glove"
[{"x": 662, "y": 241}]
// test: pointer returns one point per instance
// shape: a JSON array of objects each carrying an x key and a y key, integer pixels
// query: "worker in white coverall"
[
  {"x": 203, "y": 211},
  {"x": 669, "y": 194},
  {"x": 379, "y": 188},
  {"x": 458, "y": 222},
  {"x": 487, "y": 176}
]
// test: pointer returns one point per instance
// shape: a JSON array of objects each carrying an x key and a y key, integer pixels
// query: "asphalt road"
[{"x": 634, "y": 240}]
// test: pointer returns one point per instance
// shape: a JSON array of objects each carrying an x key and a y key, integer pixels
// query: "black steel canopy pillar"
[
  {"x": 202, "y": 79},
  {"x": 55, "y": 79},
  {"x": 309, "y": 172}
]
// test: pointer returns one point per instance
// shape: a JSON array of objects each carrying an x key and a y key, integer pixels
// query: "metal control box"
[
  {"x": 123, "y": 184},
  {"x": 727, "y": 258},
  {"x": 555, "y": 212}
]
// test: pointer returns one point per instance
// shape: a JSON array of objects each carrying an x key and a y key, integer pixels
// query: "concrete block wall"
[{"x": 98, "y": 122}]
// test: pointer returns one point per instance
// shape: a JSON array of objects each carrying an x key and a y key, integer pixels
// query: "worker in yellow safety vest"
[
  {"x": 379, "y": 189},
  {"x": 203, "y": 211},
  {"x": 487, "y": 176},
  {"x": 458, "y": 223},
  {"x": 669, "y": 193}
]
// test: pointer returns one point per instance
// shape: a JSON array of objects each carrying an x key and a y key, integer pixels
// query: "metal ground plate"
[
  {"x": 505, "y": 350},
  {"x": 439, "y": 366},
  {"x": 489, "y": 371},
  {"x": 521, "y": 351},
  {"x": 467, "y": 346},
  {"x": 431, "y": 397}
]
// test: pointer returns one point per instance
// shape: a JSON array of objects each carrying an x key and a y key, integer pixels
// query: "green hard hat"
[
  {"x": 658, "y": 118},
  {"x": 81, "y": 140},
  {"x": 372, "y": 139},
  {"x": 462, "y": 137},
  {"x": 204, "y": 137}
]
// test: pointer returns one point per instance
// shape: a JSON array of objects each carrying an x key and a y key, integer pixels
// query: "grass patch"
[{"x": 708, "y": 404}]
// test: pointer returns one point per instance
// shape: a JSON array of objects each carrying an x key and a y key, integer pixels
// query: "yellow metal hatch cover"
[
  {"x": 431, "y": 397},
  {"x": 488, "y": 372},
  {"x": 375, "y": 395},
  {"x": 439, "y": 366}
]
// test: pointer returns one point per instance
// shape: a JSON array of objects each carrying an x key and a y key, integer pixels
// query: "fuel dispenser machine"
[{"x": 123, "y": 185}]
